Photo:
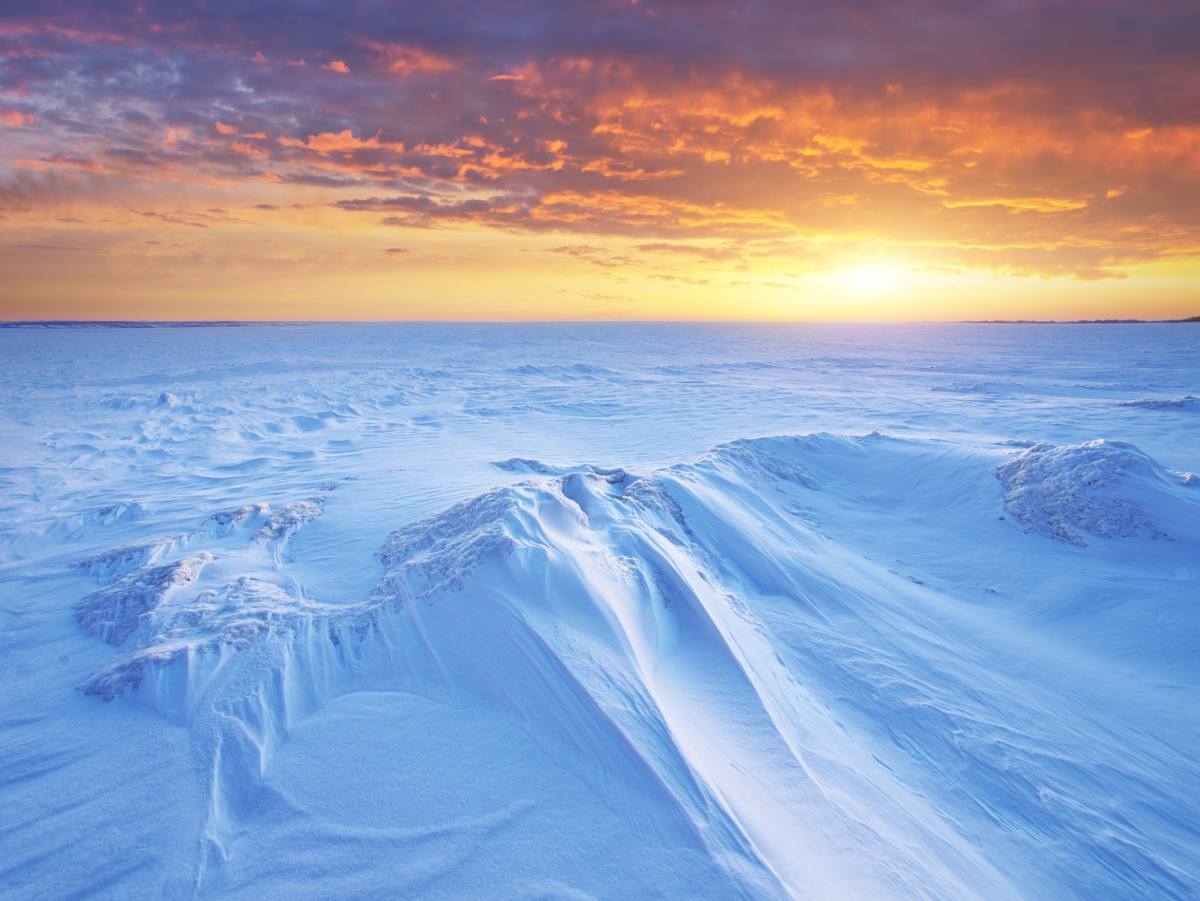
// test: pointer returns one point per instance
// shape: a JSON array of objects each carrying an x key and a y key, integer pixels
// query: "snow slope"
[{"x": 810, "y": 665}]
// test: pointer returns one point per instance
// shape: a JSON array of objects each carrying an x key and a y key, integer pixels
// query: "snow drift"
[{"x": 694, "y": 646}]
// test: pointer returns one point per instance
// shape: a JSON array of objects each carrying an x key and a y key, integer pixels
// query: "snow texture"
[
  {"x": 1187, "y": 402},
  {"x": 1100, "y": 487},
  {"x": 829, "y": 630}
]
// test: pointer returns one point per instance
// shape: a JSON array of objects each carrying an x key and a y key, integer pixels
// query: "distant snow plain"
[{"x": 600, "y": 611}]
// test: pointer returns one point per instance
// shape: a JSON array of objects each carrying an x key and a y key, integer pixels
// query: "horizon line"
[{"x": 202, "y": 323}]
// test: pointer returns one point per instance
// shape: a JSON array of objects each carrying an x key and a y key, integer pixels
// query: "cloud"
[
  {"x": 711, "y": 253},
  {"x": 406, "y": 59},
  {"x": 342, "y": 141},
  {"x": 51, "y": 248},
  {"x": 191, "y": 218},
  {"x": 1035, "y": 137},
  {"x": 600, "y": 256}
]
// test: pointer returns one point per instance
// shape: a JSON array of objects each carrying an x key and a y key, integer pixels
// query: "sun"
[{"x": 871, "y": 278}]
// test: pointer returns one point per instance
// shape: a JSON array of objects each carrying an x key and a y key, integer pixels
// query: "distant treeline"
[
  {"x": 130, "y": 323},
  {"x": 1074, "y": 321}
]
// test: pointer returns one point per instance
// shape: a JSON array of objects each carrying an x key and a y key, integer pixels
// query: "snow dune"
[{"x": 692, "y": 649}]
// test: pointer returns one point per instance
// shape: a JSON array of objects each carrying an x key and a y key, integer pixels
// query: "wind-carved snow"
[
  {"x": 221, "y": 522},
  {"x": 115, "y": 612},
  {"x": 708, "y": 682},
  {"x": 287, "y": 519},
  {"x": 229, "y": 617},
  {"x": 774, "y": 457},
  {"x": 120, "y": 560},
  {"x": 1109, "y": 489},
  {"x": 795, "y": 714},
  {"x": 959, "y": 388},
  {"x": 145, "y": 611},
  {"x": 436, "y": 554}
]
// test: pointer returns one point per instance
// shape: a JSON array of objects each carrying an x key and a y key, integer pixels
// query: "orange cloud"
[
  {"x": 407, "y": 59},
  {"x": 997, "y": 172},
  {"x": 246, "y": 149},
  {"x": 340, "y": 142}
]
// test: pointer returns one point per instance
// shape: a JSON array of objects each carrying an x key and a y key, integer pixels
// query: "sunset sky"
[{"x": 513, "y": 159}]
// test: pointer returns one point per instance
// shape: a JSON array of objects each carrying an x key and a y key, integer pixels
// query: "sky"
[{"x": 643, "y": 159}]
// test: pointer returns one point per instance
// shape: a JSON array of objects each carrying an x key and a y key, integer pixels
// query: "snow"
[
  {"x": 114, "y": 612},
  {"x": 1100, "y": 487},
  {"x": 799, "y": 611},
  {"x": 1187, "y": 402}
]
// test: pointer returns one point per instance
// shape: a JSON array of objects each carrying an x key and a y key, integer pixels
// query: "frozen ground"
[{"x": 600, "y": 611}]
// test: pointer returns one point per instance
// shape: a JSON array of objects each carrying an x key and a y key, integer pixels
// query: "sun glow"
[{"x": 872, "y": 278}]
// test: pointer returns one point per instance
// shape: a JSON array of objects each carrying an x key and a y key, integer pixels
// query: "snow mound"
[
  {"x": 437, "y": 553},
  {"x": 224, "y": 521},
  {"x": 215, "y": 621},
  {"x": 117, "y": 561},
  {"x": 959, "y": 388},
  {"x": 1109, "y": 489}
]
